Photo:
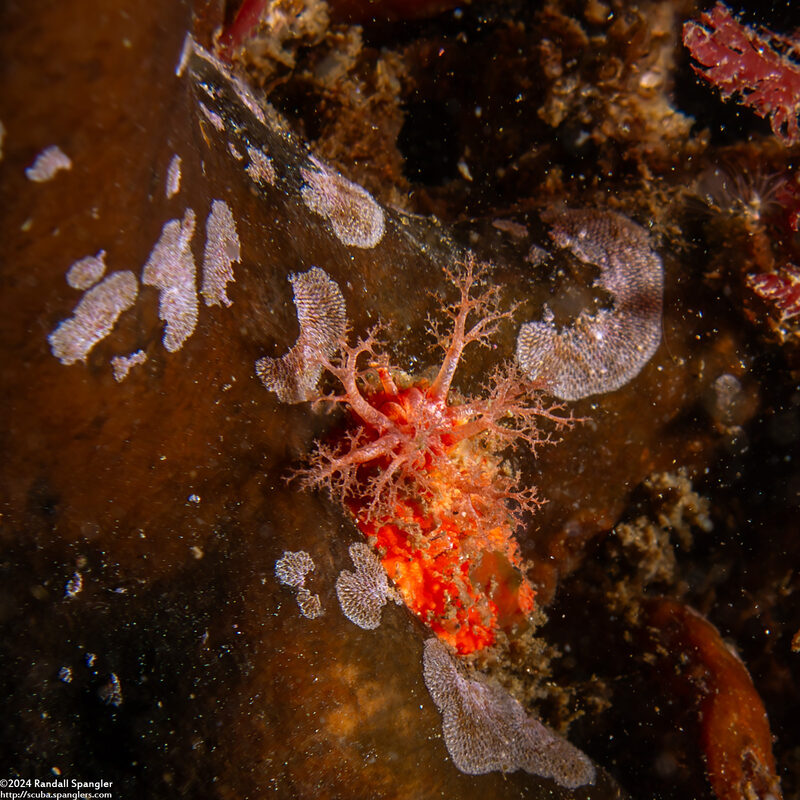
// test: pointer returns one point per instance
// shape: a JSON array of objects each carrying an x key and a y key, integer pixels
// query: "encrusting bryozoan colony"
[
  {"x": 603, "y": 351},
  {"x": 87, "y": 271},
  {"x": 50, "y": 161},
  {"x": 362, "y": 594},
  {"x": 357, "y": 220},
  {"x": 171, "y": 270},
  {"x": 323, "y": 321},
  {"x": 173, "y": 183},
  {"x": 94, "y": 317},
  {"x": 222, "y": 250},
  {"x": 291, "y": 570},
  {"x": 485, "y": 729}
]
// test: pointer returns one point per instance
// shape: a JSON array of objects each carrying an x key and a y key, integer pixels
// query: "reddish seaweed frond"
[
  {"x": 760, "y": 67},
  {"x": 781, "y": 288},
  {"x": 425, "y": 478}
]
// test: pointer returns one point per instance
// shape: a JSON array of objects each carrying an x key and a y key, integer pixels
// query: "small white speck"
[{"x": 74, "y": 585}]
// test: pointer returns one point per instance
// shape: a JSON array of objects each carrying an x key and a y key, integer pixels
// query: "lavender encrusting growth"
[
  {"x": 322, "y": 316},
  {"x": 87, "y": 271},
  {"x": 485, "y": 729},
  {"x": 222, "y": 250},
  {"x": 362, "y": 594},
  {"x": 122, "y": 365},
  {"x": 602, "y": 352},
  {"x": 356, "y": 218},
  {"x": 171, "y": 270},
  {"x": 50, "y": 161},
  {"x": 291, "y": 570},
  {"x": 173, "y": 183},
  {"x": 94, "y": 317}
]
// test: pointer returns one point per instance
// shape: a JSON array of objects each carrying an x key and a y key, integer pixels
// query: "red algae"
[
  {"x": 759, "y": 67},
  {"x": 422, "y": 473}
]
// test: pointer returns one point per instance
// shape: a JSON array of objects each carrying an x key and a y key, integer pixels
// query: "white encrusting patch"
[
  {"x": 94, "y": 317},
  {"x": 221, "y": 251},
  {"x": 309, "y": 604},
  {"x": 173, "y": 184},
  {"x": 50, "y": 161},
  {"x": 485, "y": 729},
  {"x": 248, "y": 98},
  {"x": 122, "y": 365},
  {"x": 292, "y": 567},
  {"x": 85, "y": 272},
  {"x": 260, "y": 168},
  {"x": 291, "y": 570},
  {"x": 357, "y": 220},
  {"x": 171, "y": 269},
  {"x": 363, "y": 593},
  {"x": 600, "y": 352},
  {"x": 322, "y": 317},
  {"x": 212, "y": 116},
  {"x": 234, "y": 152}
]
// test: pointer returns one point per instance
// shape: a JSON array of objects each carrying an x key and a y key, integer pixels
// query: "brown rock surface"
[{"x": 177, "y": 665}]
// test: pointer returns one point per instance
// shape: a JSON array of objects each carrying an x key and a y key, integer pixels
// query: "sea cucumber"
[{"x": 422, "y": 473}]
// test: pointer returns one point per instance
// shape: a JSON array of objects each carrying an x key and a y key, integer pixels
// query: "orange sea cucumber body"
[{"x": 460, "y": 578}]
